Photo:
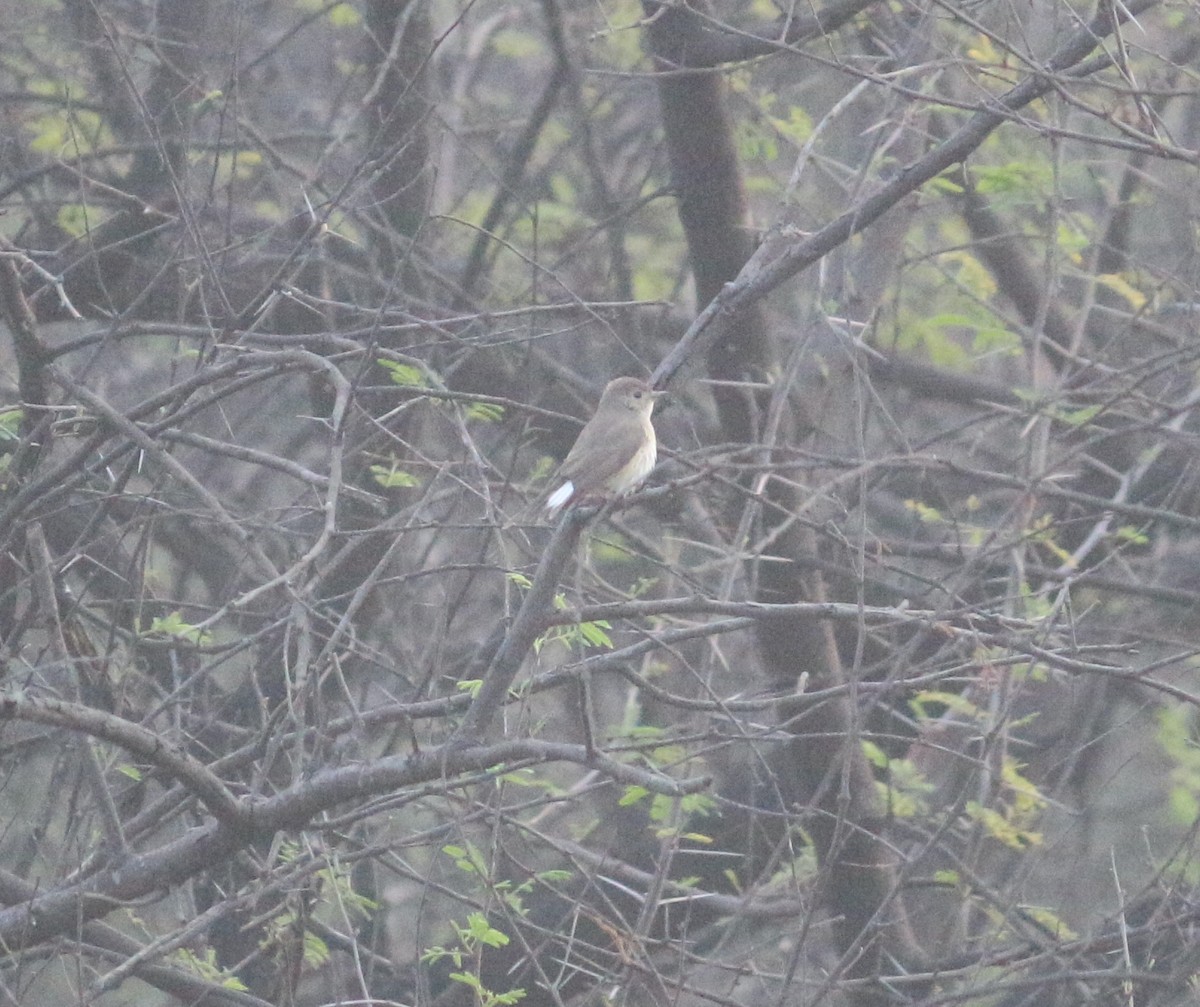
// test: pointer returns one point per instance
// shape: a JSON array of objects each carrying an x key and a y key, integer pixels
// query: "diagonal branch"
[
  {"x": 134, "y": 739},
  {"x": 531, "y": 622},
  {"x": 771, "y": 265},
  {"x": 53, "y": 913},
  {"x": 709, "y": 42}
]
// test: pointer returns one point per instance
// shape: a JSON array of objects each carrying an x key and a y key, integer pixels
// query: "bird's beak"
[{"x": 662, "y": 393}]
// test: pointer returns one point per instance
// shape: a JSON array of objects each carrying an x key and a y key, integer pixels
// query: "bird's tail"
[{"x": 561, "y": 496}]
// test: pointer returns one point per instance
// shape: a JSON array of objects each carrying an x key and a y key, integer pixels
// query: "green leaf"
[
  {"x": 876, "y": 756},
  {"x": 1000, "y": 828},
  {"x": 662, "y": 807},
  {"x": 1123, "y": 288},
  {"x": 995, "y": 339},
  {"x": 486, "y": 412},
  {"x": 205, "y": 966},
  {"x": 632, "y": 795},
  {"x": 562, "y": 187},
  {"x": 754, "y": 142},
  {"x": 517, "y": 45},
  {"x": 905, "y": 789},
  {"x": 467, "y": 980},
  {"x": 174, "y": 625},
  {"x": 10, "y": 424},
  {"x": 404, "y": 374},
  {"x": 483, "y": 932},
  {"x": 467, "y": 859},
  {"x": 316, "y": 951},
  {"x": 944, "y": 184},
  {"x": 698, "y": 804},
  {"x": 1128, "y": 533},
  {"x": 1078, "y": 417},
  {"x": 641, "y": 586},
  {"x": 554, "y": 875},
  {"x": 344, "y": 15},
  {"x": 668, "y": 755},
  {"x": 797, "y": 127},
  {"x": 1050, "y": 921},
  {"x": 594, "y": 635},
  {"x": 1026, "y": 178},
  {"x": 951, "y": 700},
  {"x": 925, "y": 513},
  {"x": 542, "y": 469},
  {"x": 390, "y": 477},
  {"x": 74, "y": 219},
  {"x": 209, "y": 102}
]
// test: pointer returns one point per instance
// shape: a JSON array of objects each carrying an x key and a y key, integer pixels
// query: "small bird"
[{"x": 614, "y": 451}]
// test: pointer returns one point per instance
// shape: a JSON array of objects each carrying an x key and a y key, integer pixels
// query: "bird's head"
[{"x": 628, "y": 394}]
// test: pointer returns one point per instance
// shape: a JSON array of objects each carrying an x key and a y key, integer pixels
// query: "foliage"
[
  {"x": 476, "y": 934},
  {"x": 883, "y": 686}
]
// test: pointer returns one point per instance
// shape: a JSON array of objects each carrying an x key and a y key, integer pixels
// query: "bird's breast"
[{"x": 636, "y": 469}]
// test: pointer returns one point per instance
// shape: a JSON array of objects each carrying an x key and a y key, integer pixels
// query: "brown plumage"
[{"x": 615, "y": 450}]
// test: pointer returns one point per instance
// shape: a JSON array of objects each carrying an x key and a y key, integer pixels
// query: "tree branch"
[
  {"x": 145, "y": 744},
  {"x": 776, "y": 261}
]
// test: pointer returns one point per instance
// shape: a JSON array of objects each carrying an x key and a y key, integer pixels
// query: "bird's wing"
[{"x": 598, "y": 455}]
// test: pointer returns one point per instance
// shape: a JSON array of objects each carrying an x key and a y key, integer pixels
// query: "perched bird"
[{"x": 614, "y": 451}]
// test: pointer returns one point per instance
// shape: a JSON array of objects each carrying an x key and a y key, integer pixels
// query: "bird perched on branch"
[{"x": 614, "y": 451}]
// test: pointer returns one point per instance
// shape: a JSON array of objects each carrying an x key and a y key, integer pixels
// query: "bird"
[{"x": 614, "y": 451}]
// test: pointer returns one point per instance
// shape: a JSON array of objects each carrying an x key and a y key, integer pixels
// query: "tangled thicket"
[{"x": 880, "y": 691}]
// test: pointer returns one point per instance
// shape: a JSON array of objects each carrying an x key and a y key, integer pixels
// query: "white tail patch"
[{"x": 559, "y": 497}]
